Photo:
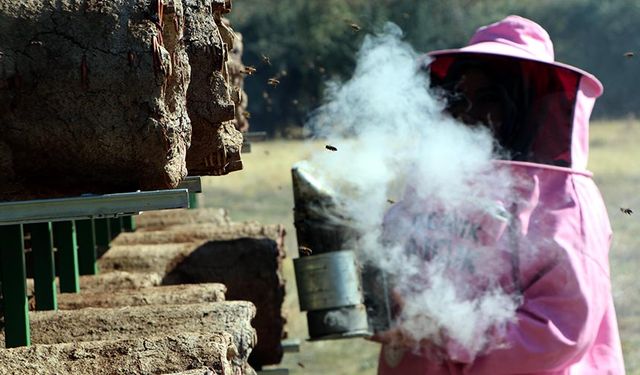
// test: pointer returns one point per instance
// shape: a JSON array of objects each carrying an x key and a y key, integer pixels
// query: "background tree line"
[{"x": 305, "y": 43}]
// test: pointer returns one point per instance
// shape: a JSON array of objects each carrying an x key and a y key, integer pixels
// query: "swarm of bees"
[
  {"x": 627, "y": 211},
  {"x": 303, "y": 250},
  {"x": 273, "y": 82},
  {"x": 331, "y": 148}
]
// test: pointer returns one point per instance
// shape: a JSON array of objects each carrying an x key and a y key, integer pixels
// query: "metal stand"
[
  {"x": 87, "y": 252},
  {"x": 64, "y": 238},
  {"x": 116, "y": 226},
  {"x": 14, "y": 286},
  {"x": 58, "y": 216},
  {"x": 44, "y": 273}
]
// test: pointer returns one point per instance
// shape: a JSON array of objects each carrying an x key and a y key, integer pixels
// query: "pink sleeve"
[{"x": 563, "y": 305}]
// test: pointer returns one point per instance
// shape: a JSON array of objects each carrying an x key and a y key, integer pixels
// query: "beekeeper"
[{"x": 538, "y": 110}]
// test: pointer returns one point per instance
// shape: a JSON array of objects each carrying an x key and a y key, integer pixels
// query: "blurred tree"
[{"x": 304, "y": 43}]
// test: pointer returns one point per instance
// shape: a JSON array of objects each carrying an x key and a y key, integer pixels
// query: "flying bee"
[
  {"x": 629, "y": 54},
  {"x": 273, "y": 82},
  {"x": 303, "y": 250},
  {"x": 331, "y": 148},
  {"x": 249, "y": 70},
  {"x": 266, "y": 59},
  {"x": 301, "y": 364},
  {"x": 355, "y": 27},
  {"x": 627, "y": 211},
  {"x": 391, "y": 201}
]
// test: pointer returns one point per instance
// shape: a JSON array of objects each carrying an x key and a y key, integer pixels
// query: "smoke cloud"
[{"x": 395, "y": 144}]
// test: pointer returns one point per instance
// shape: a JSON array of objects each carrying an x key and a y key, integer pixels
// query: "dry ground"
[{"x": 263, "y": 192}]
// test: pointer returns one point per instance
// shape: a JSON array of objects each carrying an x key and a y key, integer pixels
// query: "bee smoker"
[{"x": 342, "y": 297}]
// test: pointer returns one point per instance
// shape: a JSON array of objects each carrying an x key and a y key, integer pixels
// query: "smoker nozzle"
[{"x": 342, "y": 298}]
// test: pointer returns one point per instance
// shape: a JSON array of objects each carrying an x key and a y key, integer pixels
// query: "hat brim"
[{"x": 501, "y": 49}]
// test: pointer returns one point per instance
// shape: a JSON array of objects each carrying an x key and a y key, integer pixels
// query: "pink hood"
[
  {"x": 563, "y": 95},
  {"x": 566, "y": 324}
]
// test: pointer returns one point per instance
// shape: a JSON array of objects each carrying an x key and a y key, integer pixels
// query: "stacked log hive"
[
  {"x": 101, "y": 96},
  {"x": 246, "y": 257},
  {"x": 92, "y": 324},
  {"x": 214, "y": 98},
  {"x": 205, "y": 262},
  {"x": 150, "y": 355},
  {"x": 161, "y": 295},
  {"x": 94, "y": 96},
  {"x": 158, "y": 220}
]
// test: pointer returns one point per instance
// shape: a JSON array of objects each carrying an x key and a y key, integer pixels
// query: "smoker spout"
[
  {"x": 319, "y": 219},
  {"x": 342, "y": 299}
]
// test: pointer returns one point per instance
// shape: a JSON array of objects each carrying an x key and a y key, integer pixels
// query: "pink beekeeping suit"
[{"x": 566, "y": 323}]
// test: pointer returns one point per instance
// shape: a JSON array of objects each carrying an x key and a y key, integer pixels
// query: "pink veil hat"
[{"x": 521, "y": 38}]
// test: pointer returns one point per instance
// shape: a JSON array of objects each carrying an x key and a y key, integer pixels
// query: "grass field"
[{"x": 262, "y": 191}]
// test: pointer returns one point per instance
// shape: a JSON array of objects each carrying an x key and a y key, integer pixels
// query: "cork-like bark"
[
  {"x": 92, "y": 96},
  {"x": 159, "y": 295},
  {"x": 213, "y": 351},
  {"x": 212, "y": 96},
  {"x": 159, "y": 220},
  {"x": 251, "y": 268},
  {"x": 203, "y": 232},
  {"x": 91, "y": 324},
  {"x": 111, "y": 281}
]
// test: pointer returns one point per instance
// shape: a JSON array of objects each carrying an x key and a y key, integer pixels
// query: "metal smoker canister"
[{"x": 328, "y": 275}]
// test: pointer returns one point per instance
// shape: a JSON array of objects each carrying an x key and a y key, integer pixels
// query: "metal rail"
[
  {"x": 91, "y": 206},
  {"x": 66, "y": 214}
]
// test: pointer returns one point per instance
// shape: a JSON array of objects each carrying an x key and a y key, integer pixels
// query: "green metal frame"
[
  {"x": 87, "y": 252},
  {"x": 44, "y": 269},
  {"x": 14, "y": 286},
  {"x": 103, "y": 232},
  {"x": 116, "y": 226},
  {"x": 128, "y": 223},
  {"x": 56, "y": 217},
  {"x": 193, "y": 200},
  {"x": 64, "y": 238}
]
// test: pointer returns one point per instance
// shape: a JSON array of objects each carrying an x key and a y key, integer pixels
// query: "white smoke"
[{"x": 394, "y": 143}]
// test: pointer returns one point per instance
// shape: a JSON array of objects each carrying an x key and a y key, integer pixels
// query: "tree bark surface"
[
  {"x": 165, "y": 219},
  {"x": 159, "y": 295},
  {"x": 93, "y": 97},
  {"x": 91, "y": 324},
  {"x": 110, "y": 281},
  {"x": 251, "y": 269},
  {"x": 212, "y": 96},
  {"x": 214, "y": 351},
  {"x": 203, "y": 232}
]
